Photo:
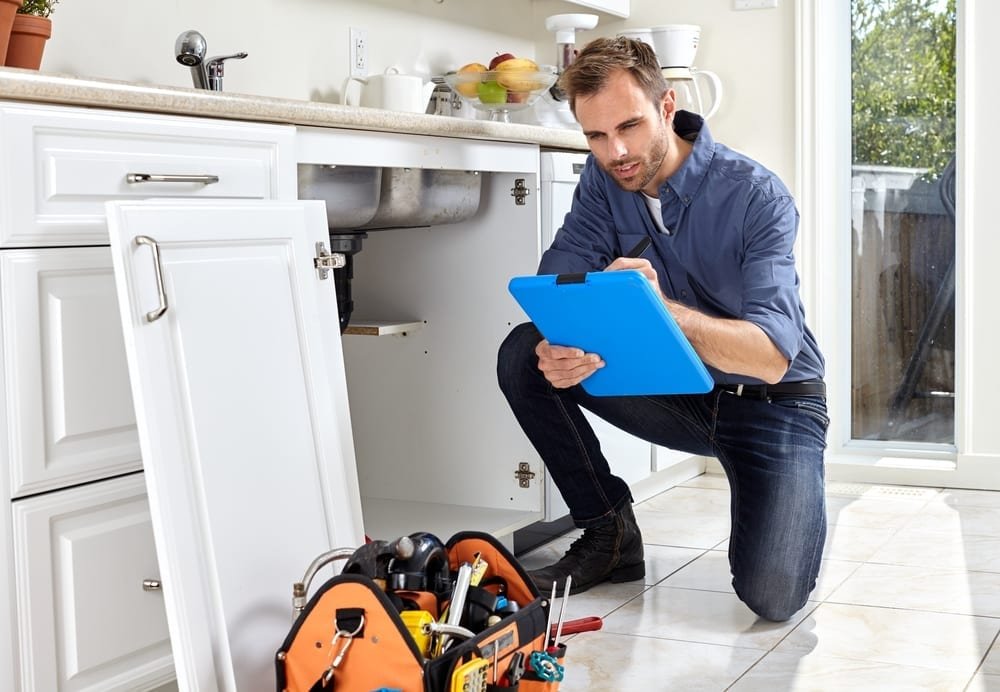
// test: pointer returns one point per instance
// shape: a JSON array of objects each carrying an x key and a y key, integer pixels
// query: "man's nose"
[{"x": 617, "y": 147}]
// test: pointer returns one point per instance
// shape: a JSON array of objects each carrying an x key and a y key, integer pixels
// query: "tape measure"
[
  {"x": 415, "y": 621},
  {"x": 471, "y": 676}
]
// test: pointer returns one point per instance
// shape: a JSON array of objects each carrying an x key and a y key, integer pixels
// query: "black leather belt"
[{"x": 781, "y": 389}]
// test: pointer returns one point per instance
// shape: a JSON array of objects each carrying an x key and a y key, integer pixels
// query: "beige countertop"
[{"x": 41, "y": 87}]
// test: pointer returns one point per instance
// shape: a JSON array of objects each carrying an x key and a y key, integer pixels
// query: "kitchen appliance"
[
  {"x": 391, "y": 91},
  {"x": 689, "y": 96},
  {"x": 552, "y": 109}
]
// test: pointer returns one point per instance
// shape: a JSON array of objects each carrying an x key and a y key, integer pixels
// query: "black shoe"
[{"x": 611, "y": 552}]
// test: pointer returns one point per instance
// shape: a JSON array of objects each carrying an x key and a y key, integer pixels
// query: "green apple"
[{"x": 492, "y": 92}]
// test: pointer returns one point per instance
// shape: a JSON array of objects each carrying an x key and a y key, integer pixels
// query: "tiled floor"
[{"x": 908, "y": 599}]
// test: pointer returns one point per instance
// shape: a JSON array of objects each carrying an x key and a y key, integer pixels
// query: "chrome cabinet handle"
[
  {"x": 155, "y": 178},
  {"x": 156, "y": 314},
  {"x": 151, "y": 584}
]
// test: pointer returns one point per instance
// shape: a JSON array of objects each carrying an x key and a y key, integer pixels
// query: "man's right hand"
[{"x": 564, "y": 366}]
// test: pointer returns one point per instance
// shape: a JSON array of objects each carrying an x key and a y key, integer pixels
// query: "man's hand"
[
  {"x": 644, "y": 267},
  {"x": 564, "y": 366}
]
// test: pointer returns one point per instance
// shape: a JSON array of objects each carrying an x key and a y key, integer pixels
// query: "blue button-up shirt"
[{"x": 732, "y": 225}]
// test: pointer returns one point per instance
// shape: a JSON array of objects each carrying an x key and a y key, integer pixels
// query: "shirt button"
[
  {"x": 684, "y": 294},
  {"x": 687, "y": 200}
]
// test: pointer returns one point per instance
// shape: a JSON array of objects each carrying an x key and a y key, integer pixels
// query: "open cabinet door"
[{"x": 241, "y": 405}]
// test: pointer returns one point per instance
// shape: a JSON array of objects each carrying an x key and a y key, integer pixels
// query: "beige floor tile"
[
  {"x": 697, "y": 616},
  {"x": 991, "y": 665},
  {"x": 880, "y": 492},
  {"x": 608, "y": 662},
  {"x": 902, "y": 637},
  {"x": 922, "y": 588},
  {"x": 967, "y": 520},
  {"x": 813, "y": 673},
  {"x": 703, "y": 529},
  {"x": 601, "y": 600},
  {"x": 970, "y": 498},
  {"x": 984, "y": 683},
  {"x": 689, "y": 501},
  {"x": 855, "y": 543},
  {"x": 713, "y": 481},
  {"x": 663, "y": 560},
  {"x": 874, "y": 513},
  {"x": 711, "y": 572},
  {"x": 922, "y": 548}
]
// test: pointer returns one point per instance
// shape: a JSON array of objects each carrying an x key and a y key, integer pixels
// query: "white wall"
[{"x": 299, "y": 48}]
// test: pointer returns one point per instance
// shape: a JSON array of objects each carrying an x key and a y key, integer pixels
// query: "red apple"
[{"x": 502, "y": 57}]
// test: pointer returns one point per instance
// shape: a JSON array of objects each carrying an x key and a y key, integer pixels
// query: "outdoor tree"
[{"x": 903, "y": 83}]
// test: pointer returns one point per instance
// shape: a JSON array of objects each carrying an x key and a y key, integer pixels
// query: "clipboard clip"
[{"x": 578, "y": 278}]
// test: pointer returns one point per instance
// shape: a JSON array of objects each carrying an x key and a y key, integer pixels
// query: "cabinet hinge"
[
  {"x": 519, "y": 192},
  {"x": 524, "y": 474},
  {"x": 325, "y": 261}
]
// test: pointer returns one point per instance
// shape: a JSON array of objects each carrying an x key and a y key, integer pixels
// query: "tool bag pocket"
[{"x": 352, "y": 636}]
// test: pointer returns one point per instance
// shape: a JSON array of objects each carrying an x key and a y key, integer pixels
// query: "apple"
[
  {"x": 517, "y": 96},
  {"x": 502, "y": 57},
  {"x": 492, "y": 92},
  {"x": 469, "y": 85}
]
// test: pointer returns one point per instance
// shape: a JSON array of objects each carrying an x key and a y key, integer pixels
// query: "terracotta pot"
[
  {"x": 7, "y": 10},
  {"x": 27, "y": 41}
]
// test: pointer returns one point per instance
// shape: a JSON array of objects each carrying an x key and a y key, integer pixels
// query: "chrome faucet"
[{"x": 190, "y": 49}]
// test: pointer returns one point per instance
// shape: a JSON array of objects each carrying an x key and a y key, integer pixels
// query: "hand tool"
[
  {"x": 457, "y": 604},
  {"x": 546, "y": 666},
  {"x": 562, "y": 612},
  {"x": 470, "y": 676},
  {"x": 548, "y": 622},
  {"x": 415, "y": 621},
  {"x": 587, "y": 624},
  {"x": 515, "y": 669}
]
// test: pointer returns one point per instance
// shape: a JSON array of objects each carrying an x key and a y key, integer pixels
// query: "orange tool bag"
[{"x": 386, "y": 624}]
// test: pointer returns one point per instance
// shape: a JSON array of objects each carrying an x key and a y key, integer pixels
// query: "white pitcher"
[{"x": 391, "y": 91}]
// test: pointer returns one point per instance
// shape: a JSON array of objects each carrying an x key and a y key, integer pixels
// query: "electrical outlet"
[
  {"x": 359, "y": 52},
  {"x": 754, "y": 4}
]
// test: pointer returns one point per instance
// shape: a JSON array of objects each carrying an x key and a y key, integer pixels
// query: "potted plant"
[
  {"x": 8, "y": 8},
  {"x": 31, "y": 29}
]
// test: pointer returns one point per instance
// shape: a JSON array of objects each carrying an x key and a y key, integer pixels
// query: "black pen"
[{"x": 639, "y": 248}]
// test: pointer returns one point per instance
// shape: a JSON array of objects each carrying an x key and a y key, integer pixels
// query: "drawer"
[
  {"x": 66, "y": 416},
  {"x": 61, "y": 164},
  {"x": 84, "y": 619}
]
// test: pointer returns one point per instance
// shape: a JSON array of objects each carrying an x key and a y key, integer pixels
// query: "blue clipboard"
[{"x": 616, "y": 315}]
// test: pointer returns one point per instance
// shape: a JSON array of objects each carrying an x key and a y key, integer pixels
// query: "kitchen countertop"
[{"x": 41, "y": 87}]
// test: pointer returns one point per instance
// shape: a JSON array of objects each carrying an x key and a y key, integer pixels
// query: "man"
[{"x": 722, "y": 229}]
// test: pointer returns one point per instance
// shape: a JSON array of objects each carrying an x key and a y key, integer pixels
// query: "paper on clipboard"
[{"x": 616, "y": 315}]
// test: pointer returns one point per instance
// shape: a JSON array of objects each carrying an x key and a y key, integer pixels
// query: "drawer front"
[
  {"x": 61, "y": 164},
  {"x": 84, "y": 620},
  {"x": 67, "y": 413}
]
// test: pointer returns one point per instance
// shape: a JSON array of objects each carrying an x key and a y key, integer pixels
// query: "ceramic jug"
[{"x": 391, "y": 91}]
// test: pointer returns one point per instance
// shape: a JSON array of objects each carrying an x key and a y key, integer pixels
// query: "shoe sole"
[{"x": 618, "y": 575}]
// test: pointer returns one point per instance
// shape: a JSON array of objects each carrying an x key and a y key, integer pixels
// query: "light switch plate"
[{"x": 754, "y": 4}]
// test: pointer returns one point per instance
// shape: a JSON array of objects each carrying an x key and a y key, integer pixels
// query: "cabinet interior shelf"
[{"x": 381, "y": 328}]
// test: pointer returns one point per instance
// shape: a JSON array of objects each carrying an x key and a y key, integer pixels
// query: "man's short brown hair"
[{"x": 590, "y": 70}]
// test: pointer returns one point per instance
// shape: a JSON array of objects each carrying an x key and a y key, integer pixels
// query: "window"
[{"x": 903, "y": 115}]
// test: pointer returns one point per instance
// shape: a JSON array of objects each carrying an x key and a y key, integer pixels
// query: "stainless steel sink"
[{"x": 360, "y": 198}]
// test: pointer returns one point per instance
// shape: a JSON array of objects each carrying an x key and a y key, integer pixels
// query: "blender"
[{"x": 552, "y": 109}]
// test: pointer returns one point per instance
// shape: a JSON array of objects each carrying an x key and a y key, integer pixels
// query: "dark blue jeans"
[{"x": 771, "y": 450}]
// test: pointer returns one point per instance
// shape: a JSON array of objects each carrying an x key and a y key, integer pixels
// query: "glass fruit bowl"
[{"x": 501, "y": 91}]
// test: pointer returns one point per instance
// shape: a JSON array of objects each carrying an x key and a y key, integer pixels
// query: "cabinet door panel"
[
  {"x": 85, "y": 621},
  {"x": 69, "y": 415},
  {"x": 242, "y": 412}
]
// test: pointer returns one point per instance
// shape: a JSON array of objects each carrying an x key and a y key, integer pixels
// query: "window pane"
[{"x": 903, "y": 219}]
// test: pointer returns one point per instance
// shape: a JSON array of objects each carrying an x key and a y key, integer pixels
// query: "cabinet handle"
[
  {"x": 151, "y": 584},
  {"x": 156, "y": 314},
  {"x": 156, "y": 178}
]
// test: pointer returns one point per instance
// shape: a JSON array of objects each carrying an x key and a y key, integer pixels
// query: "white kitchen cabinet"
[
  {"x": 67, "y": 426},
  {"x": 242, "y": 413},
  {"x": 618, "y": 8},
  {"x": 83, "y": 556}
]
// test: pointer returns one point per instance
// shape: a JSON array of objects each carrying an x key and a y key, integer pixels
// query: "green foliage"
[
  {"x": 903, "y": 82},
  {"x": 39, "y": 8}
]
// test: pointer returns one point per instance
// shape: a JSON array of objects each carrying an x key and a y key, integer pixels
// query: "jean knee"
[
  {"x": 516, "y": 356},
  {"x": 774, "y": 597}
]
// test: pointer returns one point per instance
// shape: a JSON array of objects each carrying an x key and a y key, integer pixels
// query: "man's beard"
[{"x": 649, "y": 165}]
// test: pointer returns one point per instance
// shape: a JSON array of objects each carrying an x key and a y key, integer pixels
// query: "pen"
[{"x": 639, "y": 248}]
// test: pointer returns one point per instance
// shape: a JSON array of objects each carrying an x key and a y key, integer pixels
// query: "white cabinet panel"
[
  {"x": 60, "y": 165},
  {"x": 69, "y": 415},
  {"x": 85, "y": 622},
  {"x": 241, "y": 406},
  {"x": 618, "y": 8}
]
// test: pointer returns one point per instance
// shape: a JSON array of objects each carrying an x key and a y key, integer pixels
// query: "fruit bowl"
[{"x": 501, "y": 91}]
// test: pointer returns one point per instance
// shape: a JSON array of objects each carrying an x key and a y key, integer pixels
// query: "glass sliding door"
[{"x": 902, "y": 217}]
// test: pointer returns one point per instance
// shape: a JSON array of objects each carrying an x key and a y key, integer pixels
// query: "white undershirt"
[{"x": 653, "y": 203}]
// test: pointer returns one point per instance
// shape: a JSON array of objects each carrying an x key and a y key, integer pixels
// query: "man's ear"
[{"x": 668, "y": 105}]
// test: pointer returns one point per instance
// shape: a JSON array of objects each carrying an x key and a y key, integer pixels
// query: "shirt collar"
[{"x": 688, "y": 178}]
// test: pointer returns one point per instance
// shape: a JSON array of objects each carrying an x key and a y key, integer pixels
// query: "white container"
[
  {"x": 392, "y": 91},
  {"x": 644, "y": 35},
  {"x": 676, "y": 44}
]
